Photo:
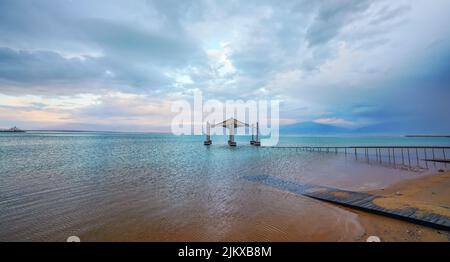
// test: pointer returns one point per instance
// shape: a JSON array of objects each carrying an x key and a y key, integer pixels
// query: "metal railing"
[{"x": 408, "y": 156}]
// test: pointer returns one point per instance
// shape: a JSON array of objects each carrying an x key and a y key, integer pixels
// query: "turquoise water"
[
  {"x": 365, "y": 141},
  {"x": 57, "y": 184}
]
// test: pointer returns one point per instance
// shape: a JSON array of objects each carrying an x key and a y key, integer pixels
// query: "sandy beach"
[{"x": 430, "y": 193}]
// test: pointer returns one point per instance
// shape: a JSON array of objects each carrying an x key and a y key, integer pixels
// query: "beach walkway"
[{"x": 430, "y": 216}]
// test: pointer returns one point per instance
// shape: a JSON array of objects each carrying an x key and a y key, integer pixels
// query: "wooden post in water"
[
  {"x": 356, "y": 154},
  {"x": 443, "y": 153},
  {"x": 389, "y": 153},
  {"x": 367, "y": 155},
  {"x": 434, "y": 162},
  {"x": 403, "y": 158},
  {"x": 393, "y": 155},
  {"x": 376, "y": 155},
  {"x": 380, "y": 156},
  {"x": 425, "y": 153},
  {"x": 445, "y": 159},
  {"x": 417, "y": 157},
  {"x": 409, "y": 159}
]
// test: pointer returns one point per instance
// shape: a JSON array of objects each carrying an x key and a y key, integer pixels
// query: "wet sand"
[
  {"x": 262, "y": 214},
  {"x": 430, "y": 193},
  {"x": 266, "y": 214}
]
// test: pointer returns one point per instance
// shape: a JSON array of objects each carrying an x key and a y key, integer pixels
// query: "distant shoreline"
[{"x": 93, "y": 131}]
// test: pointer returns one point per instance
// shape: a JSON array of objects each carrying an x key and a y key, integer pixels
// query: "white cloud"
[{"x": 334, "y": 121}]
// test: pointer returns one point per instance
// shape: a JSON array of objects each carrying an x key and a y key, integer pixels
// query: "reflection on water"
[{"x": 107, "y": 186}]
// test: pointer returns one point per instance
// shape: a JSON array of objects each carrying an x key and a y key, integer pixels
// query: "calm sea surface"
[{"x": 122, "y": 186}]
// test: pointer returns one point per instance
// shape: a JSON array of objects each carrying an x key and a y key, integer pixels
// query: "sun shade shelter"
[{"x": 232, "y": 124}]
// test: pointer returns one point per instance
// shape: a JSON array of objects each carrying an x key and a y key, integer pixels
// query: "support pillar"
[
  {"x": 231, "y": 140},
  {"x": 208, "y": 135},
  {"x": 252, "y": 142},
  {"x": 257, "y": 142}
]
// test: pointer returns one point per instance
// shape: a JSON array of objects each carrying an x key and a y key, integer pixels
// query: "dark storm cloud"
[
  {"x": 38, "y": 36},
  {"x": 48, "y": 72},
  {"x": 128, "y": 42},
  {"x": 331, "y": 17},
  {"x": 46, "y": 66}
]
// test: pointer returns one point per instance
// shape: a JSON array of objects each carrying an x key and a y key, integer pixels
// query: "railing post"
[
  {"x": 409, "y": 159},
  {"x": 443, "y": 153},
  {"x": 389, "y": 153},
  {"x": 445, "y": 159},
  {"x": 434, "y": 162},
  {"x": 367, "y": 150},
  {"x": 379, "y": 154},
  {"x": 417, "y": 157},
  {"x": 393, "y": 155},
  {"x": 376, "y": 155},
  {"x": 403, "y": 158},
  {"x": 425, "y": 154}
]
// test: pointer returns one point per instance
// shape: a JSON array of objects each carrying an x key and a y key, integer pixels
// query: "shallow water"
[{"x": 118, "y": 186}]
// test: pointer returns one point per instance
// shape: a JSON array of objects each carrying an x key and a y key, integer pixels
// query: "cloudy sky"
[{"x": 117, "y": 65}]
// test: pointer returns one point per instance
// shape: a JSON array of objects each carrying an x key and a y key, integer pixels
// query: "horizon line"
[{"x": 286, "y": 134}]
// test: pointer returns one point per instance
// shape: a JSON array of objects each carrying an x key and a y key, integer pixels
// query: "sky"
[{"x": 118, "y": 65}]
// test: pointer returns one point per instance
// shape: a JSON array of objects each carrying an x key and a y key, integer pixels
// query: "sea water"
[{"x": 137, "y": 186}]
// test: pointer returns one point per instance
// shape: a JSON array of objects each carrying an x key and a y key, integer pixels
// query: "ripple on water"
[{"x": 105, "y": 186}]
